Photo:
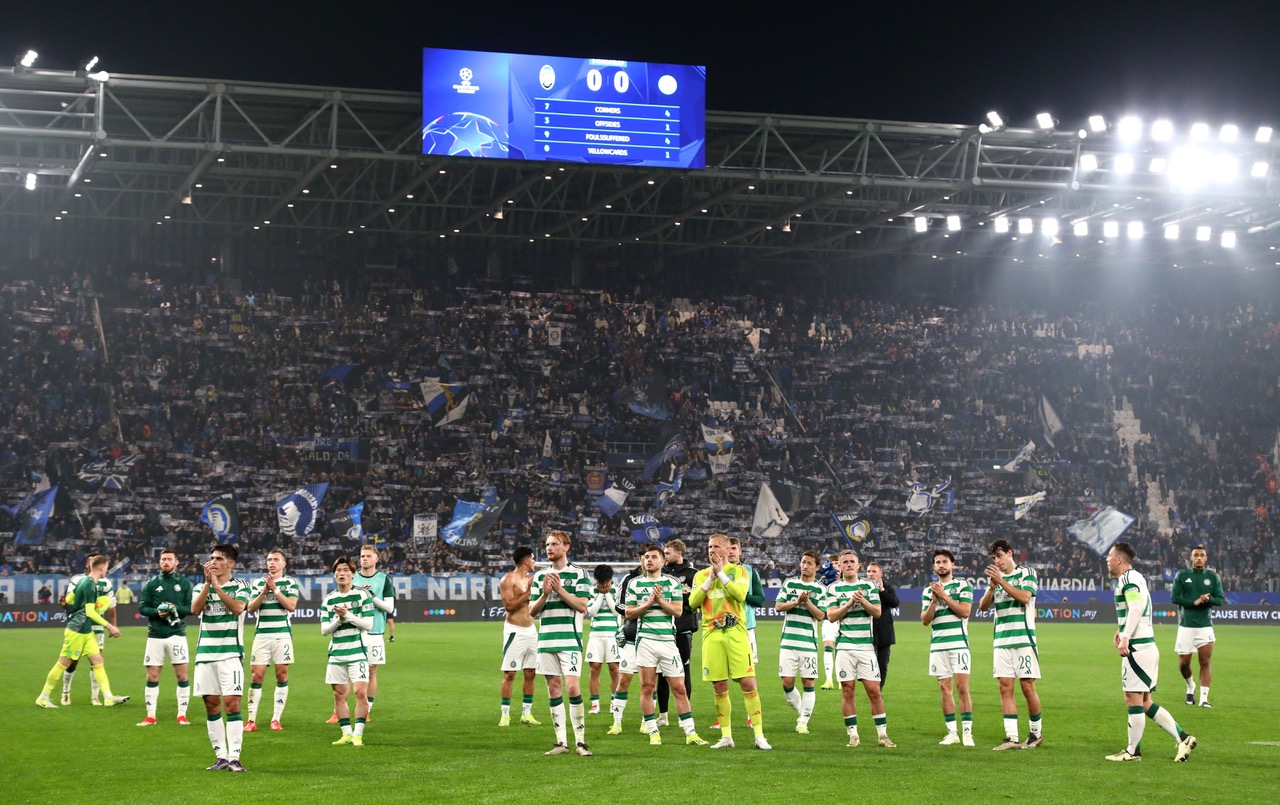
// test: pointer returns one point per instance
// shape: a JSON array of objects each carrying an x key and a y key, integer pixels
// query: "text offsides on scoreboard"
[{"x": 559, "y": 109}]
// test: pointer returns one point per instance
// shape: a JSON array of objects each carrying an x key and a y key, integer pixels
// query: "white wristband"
[
  {"x": 706, "y": 585},
  {"x": 724, "y": 579}
]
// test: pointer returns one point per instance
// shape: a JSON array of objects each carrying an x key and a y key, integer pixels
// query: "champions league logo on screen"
[{"x": 466, "y": 87}]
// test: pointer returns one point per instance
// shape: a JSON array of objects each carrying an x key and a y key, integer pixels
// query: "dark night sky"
[{"x": 926, "y": 61}]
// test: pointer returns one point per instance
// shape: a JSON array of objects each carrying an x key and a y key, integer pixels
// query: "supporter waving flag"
[
  {"x": 297, "y": 511},
  {"x": 615, "y": 497},
  {"x": 1101, "y": 530},
  {"x": 348, "y": 524},
  {"x": 647, "y": 397},
  {"x": 471, "y": 521},
  {"x": 32, "y": 516},
  {"x": 223, "y": 516},
  {"x": 769, "y": 516},
  {"x": 673, "y": 447},
  {"x": 446, "y": 402}
]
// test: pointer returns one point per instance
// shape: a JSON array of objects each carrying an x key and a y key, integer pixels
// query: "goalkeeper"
[
  {"x": 721, "y": 592},
  {"x": 166, "y": 602},
  {"x": 77, "y": 638}
]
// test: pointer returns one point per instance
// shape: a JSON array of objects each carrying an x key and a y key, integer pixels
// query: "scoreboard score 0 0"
[{"x": 559, "y": 109}]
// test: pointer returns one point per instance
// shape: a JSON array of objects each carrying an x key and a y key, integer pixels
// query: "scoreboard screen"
[{"x": 557, "y": 109}]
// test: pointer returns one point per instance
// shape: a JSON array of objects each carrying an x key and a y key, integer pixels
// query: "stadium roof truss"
[{"x": 142, "y": 156}]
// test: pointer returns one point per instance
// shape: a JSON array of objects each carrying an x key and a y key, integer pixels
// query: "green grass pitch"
[{"x": 434, "y": 734}]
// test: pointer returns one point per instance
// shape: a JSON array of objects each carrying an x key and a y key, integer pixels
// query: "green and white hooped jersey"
[
  {"x": 274, "y": 619},
  {"x": 380, "y": 586},
  {"x": 1133, "y": 600},
  {"x": 800, "y": 630},
  {"x": 221, "y": 633},
  {"x": 855, "y": 626},
  {"x": 561, "y": 625},
  {"x": 605, "y": 621},
  {"x": 950, "y": 632},
  {"x": 654, "y": 625},
  {"x": 346, "y": 643},
  {"x": 1015, "y": 624}
]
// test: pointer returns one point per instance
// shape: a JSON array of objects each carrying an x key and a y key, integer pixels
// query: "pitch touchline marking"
[{"x": 1265, "y": 743}]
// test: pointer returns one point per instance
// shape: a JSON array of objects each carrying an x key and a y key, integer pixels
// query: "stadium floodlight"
[
  {"x": 1263, "y": 135},
  {"x": 1158, "y": 164},
  {"x": 1049, "y": 227},
  {"x": 1172, "y": 231},
  {"x": 953, "y": 223},
  {"x": 1044, "y": 120},
  {"x": 1111, "y": 229},
  {"x": 996, "y": 121},
  {"x": 89, "y": 65},
  {"x": 1088, "y": 162},
  {"x": 1162, "y": 131},
  {"x": 1097, "y": 124},
  {"x": 1225, "y": 168},
  {"x": 1123, "y": 164},
  {"x": 1203, "y": 233},
  {"x": 1129, "y": 129},
  {"x": 1229, "y": 132},
  {"x": 1199, "y": 132},
  {"x": 1026, "y": 226},
  {"x": 30, "y": 182},
  {"x": 1080, "y": 229},
  {"x": 1136, "y": 230},
  {"x": 922, "y": 224},
  {"x": 102, "y": 76},
  {"x": 29, "y": 59},
  {"x": 1190, "y": 167},
  {"x": 1228, "y": 239},
  {"x": 1002, "y": 224},
  {"x": 1259, "y": 170}
]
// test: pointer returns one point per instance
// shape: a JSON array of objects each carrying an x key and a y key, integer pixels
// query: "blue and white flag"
[
  {"x": 1049, "y": 420},
  {"x": 110, "y": 474},
  {"x": 856, "y": 528},
  {"x": 646, "y": 528},
  {"x": 1022, "y": 506},
  {"x": 674, "y": 448},
  {"x": 425, "y": 525},
  {"x": 349, "y": 524},
  {"x": 32, "y": 516},
  {"x": 614, "y": 497},
  {"x": 769, "y": 517},
  {"x": 647, "y": 397},
  {"x": 471, "y": 521},
  {"x": 1102, "y": 530},
  {"x": 758, "y": 338},
  {"x": 446, "y": 402},
  {"x": 222, "y": 515},
  {"x": 667, "y": 490},
  {"x": 920, "y": 498},
  {"x": 1026, "y": 453},
  {"x": 718, "y": 443},
  {"x": 297, "y": 511}
]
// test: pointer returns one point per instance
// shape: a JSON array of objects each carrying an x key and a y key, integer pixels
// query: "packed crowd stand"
[{"x": 215, "y": 390}]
